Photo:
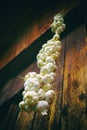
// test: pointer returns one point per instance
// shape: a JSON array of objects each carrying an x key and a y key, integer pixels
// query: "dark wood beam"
[{"x": 39, "y": 25}]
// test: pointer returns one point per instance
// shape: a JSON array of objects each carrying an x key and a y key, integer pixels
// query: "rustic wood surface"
[
  {"x": 75, "y": 81},
  {"x": 10, "y": 114},
  {"x": 69, "y": 109},
  {"x": 37, "y": 26}
]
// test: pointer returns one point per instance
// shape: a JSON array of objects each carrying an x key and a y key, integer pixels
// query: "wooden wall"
[
  {"x": 22, "y": 23},
  {"x": 69, "y": 109}
]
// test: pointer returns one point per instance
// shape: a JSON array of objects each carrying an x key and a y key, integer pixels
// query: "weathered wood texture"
[
  {"x": 9, "y": 114},
  {"x": 69, "y": 109},
  {"x": 75, "y": 81},
  {"x": 35, "y": 28}
]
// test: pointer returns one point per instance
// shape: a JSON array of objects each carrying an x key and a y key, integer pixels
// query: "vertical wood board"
[{"x": 75, "y": 81}]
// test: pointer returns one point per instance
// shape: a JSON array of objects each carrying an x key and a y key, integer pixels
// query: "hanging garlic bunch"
[{"x": 38, "y": 91}]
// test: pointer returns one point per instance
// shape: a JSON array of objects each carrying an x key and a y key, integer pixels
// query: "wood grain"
[
  {"x": 75, "y": 81},
  {"x": 37, "y": 26},
  {"x": 24, "y": 121},
  {"x": 69, "y": 108},
  {"x": 10, "y": 117}
]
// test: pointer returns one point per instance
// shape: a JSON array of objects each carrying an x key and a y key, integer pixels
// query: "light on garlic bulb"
[
  {"x": 42, "y": 106},
  {"x": 38, "y": 91}
]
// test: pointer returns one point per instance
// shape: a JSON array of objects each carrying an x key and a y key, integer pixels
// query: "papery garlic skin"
[
  {"x": 38, "y": 91},
  {"x": 42, "y": 107},
  {"x": 49, "y": 96}
]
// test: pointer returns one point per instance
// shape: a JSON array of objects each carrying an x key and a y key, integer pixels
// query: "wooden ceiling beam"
[{"x": 39, "y": 25}]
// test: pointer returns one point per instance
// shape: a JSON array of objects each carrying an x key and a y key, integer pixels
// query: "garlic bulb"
[
  {"x": 42, "y": 107},
  {"x": 41, "y": 94},
  {"x": 38, "y": 91},
  {"x": 49, "y": 95},
  {"x": 32, "y": 84}
]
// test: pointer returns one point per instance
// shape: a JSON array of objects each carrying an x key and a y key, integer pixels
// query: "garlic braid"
[{"x": 38, "y": 93}]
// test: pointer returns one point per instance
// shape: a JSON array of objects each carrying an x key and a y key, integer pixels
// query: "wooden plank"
[
  {"x": 39, "y": 25},
  {"x": 22, "y": 44},
  {"x": 10, "y": 117},
  {"x": 24, "y": 121},
  {"x": 74, "y": 114},
  {"x": 52, "y": 121}
]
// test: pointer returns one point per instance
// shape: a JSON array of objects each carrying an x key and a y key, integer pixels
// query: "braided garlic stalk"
[{"x": 38, "y": 91}]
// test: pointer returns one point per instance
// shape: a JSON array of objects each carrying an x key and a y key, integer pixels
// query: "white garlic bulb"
[
  {"x": 49, "y": 95},
  {"x": 41, "y": 94},
  {"x": 42, "y": 107},
  {"x": 32, "y": 83},
  {"x": 30, "y": 75}
]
